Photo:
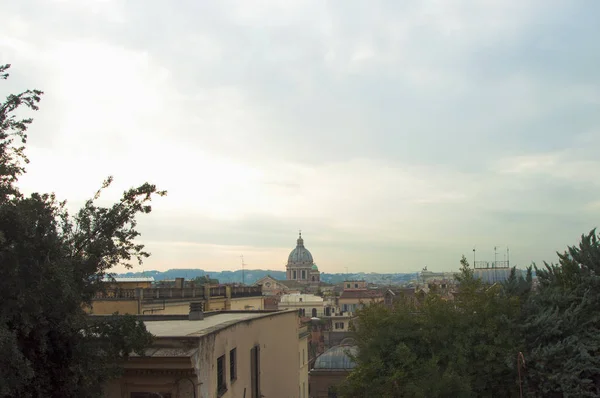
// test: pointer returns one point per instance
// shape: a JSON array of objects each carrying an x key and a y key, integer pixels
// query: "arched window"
[
  {"x": 313, "y": 278},
  {"x": 314, "y": 312}
]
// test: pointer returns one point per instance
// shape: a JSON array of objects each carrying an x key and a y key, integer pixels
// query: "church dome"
[
  {"x": 300, "y": 255},
  {"x": 337, "y": 358},
  {"x": 314, "y": 267}
]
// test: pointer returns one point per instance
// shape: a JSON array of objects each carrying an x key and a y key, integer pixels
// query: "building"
[
  {"x": 223, "y": 354},
  {"x": 301, "y": 267},
  {"x": 307, "y": 305},
  {"x": 392, "y": 295},
  {"x": 331, "y": 369},
  {"x": 356, "y": 295},
  {"x": 128, "y": 282},
  {"x": 175, "y": 300}
]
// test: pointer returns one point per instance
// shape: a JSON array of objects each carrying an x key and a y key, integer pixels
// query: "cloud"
[{"x": 396, "y": 134}]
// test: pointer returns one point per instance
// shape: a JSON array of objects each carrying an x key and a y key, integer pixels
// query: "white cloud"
[{"x": 389, "y": 130}]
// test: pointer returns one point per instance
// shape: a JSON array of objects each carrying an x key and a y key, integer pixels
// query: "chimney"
[
  {"x": 178, "y": 283},
  {"x": 196, "y": 311}
]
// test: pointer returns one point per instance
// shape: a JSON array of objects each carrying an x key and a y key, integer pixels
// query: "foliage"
[
  {"x": 469, "y": 347},
  {"x": 562, "y": 325},
  {"x": 52, "y": 265},
  {"x": 437, "y": 347}
]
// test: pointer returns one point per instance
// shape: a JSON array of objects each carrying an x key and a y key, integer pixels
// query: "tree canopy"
[
  {"x": 469, "y": 346},
  {"x": 52, "y": 265}
]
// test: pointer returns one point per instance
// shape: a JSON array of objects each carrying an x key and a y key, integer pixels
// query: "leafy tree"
[
  {"x": 439, "y": 347},
  {"x": 562, "y": 325},
  {"x": 52, "y": 265}
]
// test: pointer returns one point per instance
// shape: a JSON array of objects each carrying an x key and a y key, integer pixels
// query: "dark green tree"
[
  {"x": 52, "y": 265},
  {"x": 464, "y": 347},
  {"x": 562, "y": 325}
]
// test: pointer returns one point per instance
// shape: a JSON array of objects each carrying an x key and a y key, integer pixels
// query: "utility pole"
[{"x": 243, "y": 276}]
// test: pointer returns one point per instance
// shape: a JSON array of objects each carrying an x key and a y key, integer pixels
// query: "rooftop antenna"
[
  {"x": 474, "y": 256},
  {"x": 495, "y": 256},
  {"x": 243, "y": 276},
  {"x": 507, "y": 257}
]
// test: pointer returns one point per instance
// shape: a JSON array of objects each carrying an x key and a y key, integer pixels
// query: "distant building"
[
  {"x": 224, "y": 354},
  {"x": 356, "y": 295},
  {"x": 301, "y": 267},
  {"x": 302, "y": 275},
  {"x": 330, "y": 370},
  {"x": 491, "y": 272},
  {"x": 307, "y": 305},
  {"x": 172, "y": 300}
]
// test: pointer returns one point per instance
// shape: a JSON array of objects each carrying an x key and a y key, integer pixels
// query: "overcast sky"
[{"x": 395, "y": 134}]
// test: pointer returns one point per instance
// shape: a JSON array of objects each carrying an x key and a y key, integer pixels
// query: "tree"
[
  {"x": 562, "y": 325},
  {"x": 53, "y": 264},
  {"x": 439, "y": 347}
]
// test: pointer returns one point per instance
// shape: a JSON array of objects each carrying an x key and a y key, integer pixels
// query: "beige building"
[
  {"x": 307, "y": 305},
  {"x": 355, "y": 295},
  {"x": 225, "y": 354},
  {"x": 175, "y": 300}
]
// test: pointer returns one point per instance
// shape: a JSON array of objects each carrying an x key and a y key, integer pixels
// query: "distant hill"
[{"x": 252, "y": 275}]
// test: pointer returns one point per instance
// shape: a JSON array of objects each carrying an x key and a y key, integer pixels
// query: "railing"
[
  {"x": 167, "y": 293},
  {"x": 116, "y": 294},
  {"x": 175, "y": 293},
  {"x": 246, "y": 291},
  {"x": 218, "y": 291},
  {"x": 151, "y": 293}
]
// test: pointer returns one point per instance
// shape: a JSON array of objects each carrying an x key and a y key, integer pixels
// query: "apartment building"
[{"x": 223, "y": 354}]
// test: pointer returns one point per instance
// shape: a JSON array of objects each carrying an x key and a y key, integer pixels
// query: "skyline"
[{"x": 395, "y": 136}]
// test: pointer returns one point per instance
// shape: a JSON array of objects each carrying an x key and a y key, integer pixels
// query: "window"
[
  {"x": 233, "y": 364},
  {"x": 348, "y": 285},
  {"x": 339, "y": 325},
  {"x": 356, "y": 285},
  {"x": 221, "y": 382},
  {"x": 294, "y": 275},
  {"x": 255, "y": 372},
  {"x": 300, "y": 299},
  {"x": 327, "y": 311},
  {"x": 303, "y": 274},
  {"x": 314, "y": 312}
]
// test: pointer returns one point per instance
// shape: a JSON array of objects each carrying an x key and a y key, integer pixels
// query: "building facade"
[{"x": 224, "y": 354}]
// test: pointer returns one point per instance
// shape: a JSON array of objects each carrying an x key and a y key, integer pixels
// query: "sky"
[{"x": 394, "y": 134}]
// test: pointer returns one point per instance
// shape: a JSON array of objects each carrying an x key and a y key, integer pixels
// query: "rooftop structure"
[
  {"x": 124, "y": 279},
  {"x": 210, "y": 324}
]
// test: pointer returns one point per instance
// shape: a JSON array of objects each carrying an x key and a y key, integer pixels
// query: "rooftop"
[
  {"x": 211, "y": 323},
  {"x": 129, "y": 279}
]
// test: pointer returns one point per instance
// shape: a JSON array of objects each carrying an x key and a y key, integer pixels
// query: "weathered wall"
[
  {"x": 182, "y": 307},
  {"x": 247, "y": 303},
  {"x": 178, "y": 386},
  {"x": 303, "y": 361},
  {"x": 321, "y": 381},
  {"x": 277, "y": 336},
  {"x": 216, "y": 305},
  {"x": 110, "y": 306}
]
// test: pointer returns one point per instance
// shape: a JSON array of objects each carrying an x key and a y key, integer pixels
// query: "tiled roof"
[{"x": 358, "y": 294}]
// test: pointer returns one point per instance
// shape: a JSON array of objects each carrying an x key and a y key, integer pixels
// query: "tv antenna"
[{"x": 243, "y": 276}]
